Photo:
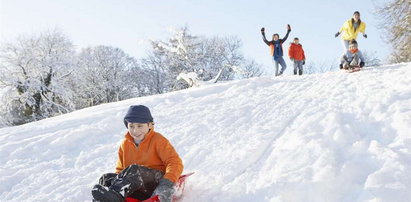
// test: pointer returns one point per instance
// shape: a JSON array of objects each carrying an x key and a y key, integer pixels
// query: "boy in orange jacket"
[
  {"x": 296, "y": 54},
  {"x": 147, "y": 164}
]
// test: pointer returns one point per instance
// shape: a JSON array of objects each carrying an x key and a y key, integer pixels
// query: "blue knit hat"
[{"x": 138, "y": 114}]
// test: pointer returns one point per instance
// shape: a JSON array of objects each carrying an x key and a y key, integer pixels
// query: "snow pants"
[
  {"x": 298, "y": 64},
  {"x": 346, "y": 64},
  {"x": 280, "y": 60},
  {"x": 134, "y": 181}
]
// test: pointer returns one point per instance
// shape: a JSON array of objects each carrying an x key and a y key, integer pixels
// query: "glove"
[
  {"x": 303, "y": 62},
  {"x": 362, "y": 64},
  {"x": 107, "y": 179},
  {"x": 337, "y": 34},
  {"x": 341, "y": 66},
  {"x": 262, "y": 29},
  {"x": 164, "y": 190},
  {"x": 288, "y": 28},
  {"x": 365, "y": 35}
]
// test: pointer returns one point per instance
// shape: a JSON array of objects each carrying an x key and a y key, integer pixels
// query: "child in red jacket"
[{"x": 296, "y": 54}]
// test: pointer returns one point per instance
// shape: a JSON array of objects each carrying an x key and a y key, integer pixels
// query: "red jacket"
[
  {"x": 296, "y": 52},
  {"x": 155, "y": 152}
]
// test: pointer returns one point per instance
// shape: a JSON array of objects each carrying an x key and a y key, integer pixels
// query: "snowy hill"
[{"x": 326, "y": 137}]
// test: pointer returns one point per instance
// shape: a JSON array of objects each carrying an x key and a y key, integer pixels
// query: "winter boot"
[
  {"x": 104, "y": 194},
  {"x": 346, "y": 65},
  {"x": 300, "y": 72},
  {"x": 295, "y": 72},
  {"x": 281, "y": 73}
]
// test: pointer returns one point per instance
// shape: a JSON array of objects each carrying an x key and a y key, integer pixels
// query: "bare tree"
[
  {"x": 312, "y": 68},
  {"x": 395, "y": 18},
  {"x": 371, "y": 59},
  {"x": 35, "y": 69}
]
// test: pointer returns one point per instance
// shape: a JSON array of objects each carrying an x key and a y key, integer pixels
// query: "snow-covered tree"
[
  {"x": 157, "y": 80},
  {"x": 216, "y": 58},
  {"x": 395, "y": 18},
  {"x": 180, "y": 54},
  {"x": 35, "y": 70},
  {"x": 105, "y": 74}
]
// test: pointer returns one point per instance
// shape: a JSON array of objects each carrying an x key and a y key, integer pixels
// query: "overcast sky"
[{"x": 129, "y": 24}]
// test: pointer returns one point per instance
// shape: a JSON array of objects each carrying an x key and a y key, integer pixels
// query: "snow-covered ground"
[{"x": 321, "y": 138}]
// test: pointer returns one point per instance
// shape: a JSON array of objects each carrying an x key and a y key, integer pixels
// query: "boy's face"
[
  {"x": 296, "y": 41},
  {"x": 275, "y": 37},
  {"x": 138, "y": 130},
  {"x": 353, "y": 46}
]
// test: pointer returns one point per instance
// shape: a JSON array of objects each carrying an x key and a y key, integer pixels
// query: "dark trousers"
[{"x": 134, "y": 181}]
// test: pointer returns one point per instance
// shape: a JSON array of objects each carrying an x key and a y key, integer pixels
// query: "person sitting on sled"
[
  {"x": 276, "y": 49},
  {"x": 353, "y": 57},
  {"x": 147, "y": 164}
]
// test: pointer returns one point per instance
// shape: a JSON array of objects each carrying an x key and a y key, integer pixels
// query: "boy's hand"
[
  {"x": 288, "y": 27},
  {"x": 262, "y": 29},
  {"x": 303, "y": 62},
  {"x": 164, "y": 190},
  {"x": 365, "y": 35}
]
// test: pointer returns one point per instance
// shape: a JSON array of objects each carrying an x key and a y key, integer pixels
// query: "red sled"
[
  {"x": 177, "y": 195},
  {"x": 354, "y": 69}
]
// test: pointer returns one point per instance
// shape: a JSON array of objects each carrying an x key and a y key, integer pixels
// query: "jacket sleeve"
[
  {"x": 286, "y": 36},
  {"x": 362, "y": 27},
  {"x": 290, "y": 52},
  {"x": 344, "y": 27},
  {"x": 361, "y": 56},
  {"x": 171, "y": 159},
  {"x": 119, "y": 164},
  {"x": 264, "y": 39},
  {"x": 303, "y": 53},
  {"x": 343, "y": 58}
]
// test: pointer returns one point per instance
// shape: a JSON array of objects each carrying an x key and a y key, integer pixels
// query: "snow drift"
[{"x": 325, "y": 137}]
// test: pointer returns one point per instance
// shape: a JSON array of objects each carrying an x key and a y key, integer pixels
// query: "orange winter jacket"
[
  {"x": 296, "y": 52},
  {"x": 155, "y": 152}
]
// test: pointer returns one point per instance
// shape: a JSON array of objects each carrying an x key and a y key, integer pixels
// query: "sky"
[
  {"x": 306, "y": 142},
  {"x": 130, "y": 24}
]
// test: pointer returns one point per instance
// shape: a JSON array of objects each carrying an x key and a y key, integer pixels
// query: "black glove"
[
  {"x": 365, "y": 35},
  {"x": 337, "y": 34},
  {"x": 262, "y": 29},
  {"x": 362, "y": 64},
  {"x": 164, "y": 190},
  {"x": 107, "y": 179},
  {"x": 341, "y": 66},
  {"x": 303, "y": 62},
  {"x": 288, "y": 28}
]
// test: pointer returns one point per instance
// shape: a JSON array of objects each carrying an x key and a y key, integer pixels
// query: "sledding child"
[
  {"x": 276, "y": 49},
  {"x": 353, "y": 57},
  {"x": 296, "y": 54},
  {"x": 147, "y": 164},
  {"x": 350, "y": 30}
]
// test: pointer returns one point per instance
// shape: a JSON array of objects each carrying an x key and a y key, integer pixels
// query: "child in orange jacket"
[
  {"x": 296, "y": 54},
  {"x": 147, "y": 164}
]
